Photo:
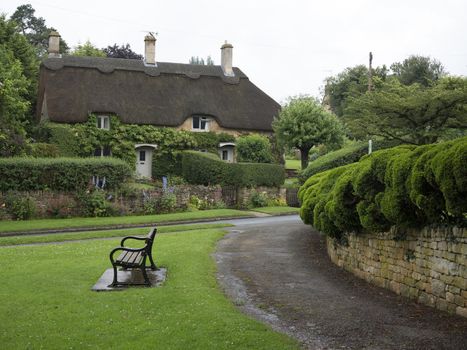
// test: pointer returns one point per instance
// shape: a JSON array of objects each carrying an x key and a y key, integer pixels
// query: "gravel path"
[{"x": 280, "y": 274}]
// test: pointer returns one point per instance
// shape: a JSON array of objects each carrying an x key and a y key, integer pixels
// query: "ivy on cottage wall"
[{"x": 82, "y": 139}]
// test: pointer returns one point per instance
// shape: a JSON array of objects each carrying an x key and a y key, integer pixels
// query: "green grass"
[
  {"x": 30, "y": 225},
  {"x": 47, "y": 301},
  {"x": 277, "y": 210},
  {"x": 74, "y": 236},
  {"x": 293, "y": 164}
]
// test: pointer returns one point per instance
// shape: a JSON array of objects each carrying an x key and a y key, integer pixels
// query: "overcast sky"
[{"x": 285, "y": 47}]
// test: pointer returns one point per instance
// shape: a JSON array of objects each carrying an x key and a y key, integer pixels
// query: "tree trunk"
[{"x": 304, "y": 157}]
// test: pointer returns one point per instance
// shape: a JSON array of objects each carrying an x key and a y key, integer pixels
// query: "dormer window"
[
  {"x": 200, "y": 123},
  {"x": 103, "y": 122}
]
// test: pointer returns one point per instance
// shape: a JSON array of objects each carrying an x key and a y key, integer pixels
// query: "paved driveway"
[{"x": 277, "y": 270}]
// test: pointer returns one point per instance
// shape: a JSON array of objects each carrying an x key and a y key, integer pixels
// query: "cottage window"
[
  {"x": 200, "y": 123},
  {"x": 103, "y": 122},
  {"x": 102, "y": 152}
]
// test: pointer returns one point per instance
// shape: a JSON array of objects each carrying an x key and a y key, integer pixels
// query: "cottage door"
[{"x": 144, "y": 162}]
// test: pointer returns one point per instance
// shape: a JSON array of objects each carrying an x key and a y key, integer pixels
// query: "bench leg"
[
  {"x": 114, "y": 282},
  {"x": 145, "y": 275},
  {"x": 153, "y": 266}
]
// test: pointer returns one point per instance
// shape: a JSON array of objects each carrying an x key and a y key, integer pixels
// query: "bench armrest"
[{"x": 131, "y": 237}]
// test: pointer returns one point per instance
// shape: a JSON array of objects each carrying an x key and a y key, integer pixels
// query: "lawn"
[
  {"x": 277, "y": 210},
  {"x": 52, "y": 224},
  {"x": 293, "y": 164},
  {"x": 74, "y": 236},
  {"x": 47, "y": 301}
]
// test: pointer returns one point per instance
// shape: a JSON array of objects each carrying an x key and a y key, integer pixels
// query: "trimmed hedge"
[
  {"x": 60, "y": 174},
  {"x": 343, "y": 156},
  {"x": 405, "y": 186},
  {"x": 207, "y": 169}
]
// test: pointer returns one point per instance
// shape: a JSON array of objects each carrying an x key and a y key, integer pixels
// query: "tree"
[
  {"x": 35, "y": 29},
  {"x": 303, "y": 123},
  {"x": 87, "y": 49},
  {"x": 200, "y": 61},
  {"x": 351, "y": 82},
  {"x": 123, "y": 51},
  {"x": 418, "y": 69},
  {"x": 410, "y": 114},
  {"x": 254, "y": 148}
]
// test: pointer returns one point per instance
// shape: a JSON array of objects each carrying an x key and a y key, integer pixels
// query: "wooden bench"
[{"x": 134, "y": 258}]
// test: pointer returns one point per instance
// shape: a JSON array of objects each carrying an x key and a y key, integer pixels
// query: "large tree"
[
  {"x": 303, "y": 123},
  {"x": 87, "y": 49},
  {"x": 418, "y": 69},
  {"x": 35, "y": 29},
  {"x": 123, "y": 51},
  {"x": 410, "y": 114}
]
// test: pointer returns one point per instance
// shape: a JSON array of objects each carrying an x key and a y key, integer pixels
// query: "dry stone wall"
[{"x": 428, "y": 265}]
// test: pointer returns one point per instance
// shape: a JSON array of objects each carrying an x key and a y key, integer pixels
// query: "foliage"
[
  {"x": 87, "y": 49},
  {"x": 165, "y": 164},
  {"x": 43, "y": 150},
  {"x": 209, "y": 141},
  {"x": 207, "y": 169},
  {"x": 200, "y": 61},
  {"x": 405, "y": 186},
  {"x": 346, "y": 155},
  {"x": 94, "y": 203},
  {"x": 60, "y": 174},
  {"x": 254, "y": 148},
  {"x": 352, "y": 82},
  {"x": 410, "y": 114},
  {"x": 304, "y": 123},
  {"x": 123, "y": 51},
  {"x": 21, "y": 207},
  {"x": 35, "y": 30},
  {"x": 418, "y": 69},
  {"x": 258, "y": 199}
]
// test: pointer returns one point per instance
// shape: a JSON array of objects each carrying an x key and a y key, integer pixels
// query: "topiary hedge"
[
  {"x": 60, "y": 174},
  {"x": 343, "y": 156},
  {"x": 405, "y": 186},
  {"x": 207, "y": 169}
]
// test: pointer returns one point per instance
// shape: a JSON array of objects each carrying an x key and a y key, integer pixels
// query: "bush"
[
  {"x": 207, "y": 169},
  {"x": 19, "y": 206},
  {"x": 60, "y": 174},
  {"x": 63, "y": 136},
  {"x": 258, "y": 199},
  {"x": 94, "y": 203},
  {"x": 166, "y": 164},
  {"x": 43, "y": 150},
  {"x": 343, "y": 156},
  {"x": 254, "y": 148},
  {"x": 405, "y": 186}
]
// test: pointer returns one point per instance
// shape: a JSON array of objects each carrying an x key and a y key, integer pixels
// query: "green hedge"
[
  {"x": 60, "y": 174},
  {"x": 207, "y": 169},
  {"x": 343, "y": 156},
  {"x": 405, "y": 186}
]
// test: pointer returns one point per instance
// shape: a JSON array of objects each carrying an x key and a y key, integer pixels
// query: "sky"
[{"x": 286, "y": 48}]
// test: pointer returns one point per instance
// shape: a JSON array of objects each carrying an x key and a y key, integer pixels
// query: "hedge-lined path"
[{"x": 279, "y": 272}]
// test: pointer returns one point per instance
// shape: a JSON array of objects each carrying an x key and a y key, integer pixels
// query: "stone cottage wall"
[{"x": 429, "y": 265}]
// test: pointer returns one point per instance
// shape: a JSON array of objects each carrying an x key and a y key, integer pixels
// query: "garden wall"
[{"x": 429, "y": 266}]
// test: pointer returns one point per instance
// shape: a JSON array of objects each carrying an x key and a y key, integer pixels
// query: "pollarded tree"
[{"x": 303, "y": 123}]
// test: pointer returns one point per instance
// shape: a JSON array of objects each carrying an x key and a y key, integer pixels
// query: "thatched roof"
[{"x": 166, "y": 95}]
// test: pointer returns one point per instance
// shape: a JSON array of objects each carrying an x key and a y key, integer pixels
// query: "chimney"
[
  {"x": 150, "y": 50},
  {"x": 54, "y": 44},
  {"x": 226, "y": 59}
]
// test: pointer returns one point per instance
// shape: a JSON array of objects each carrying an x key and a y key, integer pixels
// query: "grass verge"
[
  {"x": 277, "y": 210},
  {"x": 293, "y": 164},
  {"x": 74, "y": 236},
  {"x": 50, "y": 304},
  {"x": 55, "y": 224}
]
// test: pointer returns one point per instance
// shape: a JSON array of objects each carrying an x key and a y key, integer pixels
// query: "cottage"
[{"x": 198, "y": 98}]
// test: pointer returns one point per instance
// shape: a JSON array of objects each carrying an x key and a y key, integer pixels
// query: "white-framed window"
[
  {"x": 103, "y": 122},
  {"x": 102, "y": 152},
  {"x": 200, "y": 123}
]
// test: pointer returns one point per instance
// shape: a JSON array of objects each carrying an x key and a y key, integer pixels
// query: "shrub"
[
  {"x": 63, "y": 136},
  {"x": 19, "y": 206},
  {"x": 60, "y": 206},
  {"x": 43, "y": 150},
  {"x": 405, "y": 186},
  {"x": 343, "y": 156},
  {"x": 254, "y": 148},
  {"x": 60, "y": 174},
  {"x": 165, "y": 164},
  {"x": 95, "y": 203},
  {"x": 207, "y": 169},
  {"x": 258, "y": 199}
]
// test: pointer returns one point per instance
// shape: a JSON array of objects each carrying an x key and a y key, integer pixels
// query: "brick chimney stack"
[
  {"x": 226, "y": 59},
  {"x": 150, "y": 50},
  {"x": 54, "y": 44}
]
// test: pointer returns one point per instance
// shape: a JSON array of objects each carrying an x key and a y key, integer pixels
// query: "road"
[{"x": 276, "y": 269}]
